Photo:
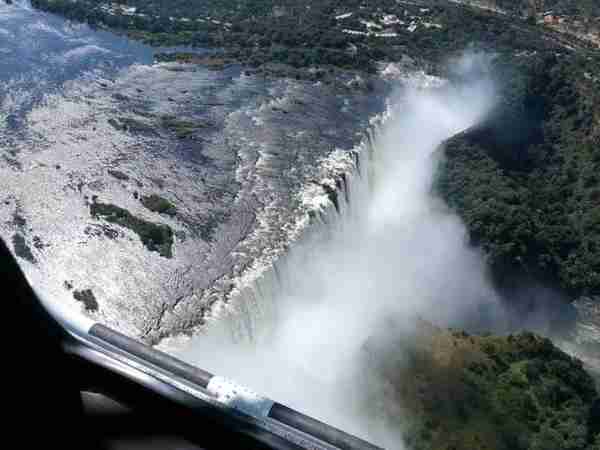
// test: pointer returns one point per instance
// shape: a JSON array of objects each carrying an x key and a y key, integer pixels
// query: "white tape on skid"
[{"x": 239, "y": 398}]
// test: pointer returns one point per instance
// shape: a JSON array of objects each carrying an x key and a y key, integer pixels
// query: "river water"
[
  {"x": 392, "y": 252},
  {"x": 243, "y": 183},
  {"x": 41, "y": 53},
  {"x": 291, "y": 286}
]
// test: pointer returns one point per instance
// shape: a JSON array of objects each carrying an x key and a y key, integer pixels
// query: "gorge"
[{"x": 327, "y": 231}]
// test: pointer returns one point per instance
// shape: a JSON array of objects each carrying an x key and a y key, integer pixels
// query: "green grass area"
[{"x": 156, "y": 237}]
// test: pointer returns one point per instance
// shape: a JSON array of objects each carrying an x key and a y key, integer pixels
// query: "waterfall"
[
  {"x": 252, "y": 309},
  {"x": 390, "y": 250}
]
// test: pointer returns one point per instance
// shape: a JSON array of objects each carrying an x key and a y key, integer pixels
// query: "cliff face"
[
  {"x": 525, "y": 182},
  {"x": 460, "y": 391}
]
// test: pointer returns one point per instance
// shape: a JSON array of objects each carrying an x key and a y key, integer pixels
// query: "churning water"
[{"x": 391, "y": 250}]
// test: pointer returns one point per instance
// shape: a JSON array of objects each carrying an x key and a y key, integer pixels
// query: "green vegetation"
[
  {"x": 303, "y": 34},
  {"x": 130, "y": 125},
  {"x": 156, "y": 203},
  {"x": 183, "y": 129},
  {"x": 88, "y": 299},
  {"x": 526, "y": 181},
  {"x": 212, "y": 62},
  {"x": 464, "y": 392},
  {"x": 156, "y": 237}
]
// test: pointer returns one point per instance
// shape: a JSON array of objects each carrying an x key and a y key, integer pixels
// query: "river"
[{"x": 82, "y": 119}]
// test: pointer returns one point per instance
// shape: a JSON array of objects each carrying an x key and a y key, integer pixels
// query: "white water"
[{"x": 394, "y": 251}]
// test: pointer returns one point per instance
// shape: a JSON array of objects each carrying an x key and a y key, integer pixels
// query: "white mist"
[{"x": 397, "y": 253}]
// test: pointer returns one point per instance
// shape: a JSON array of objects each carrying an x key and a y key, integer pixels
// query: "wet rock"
[
  {"x": 183, "y": 128},
  {"x": 115, "y": 124},
  {"x": 158, "y": 182},
  {"x": 408, "y": 62},
  {"x": 18, "y": 220},
  {"x": 101, "y": 230},
  {"x": 120, "y": 97},
  {"x": 588, "y": 319},
  {"x": 12, "y": 162},
  {"x": 21, "y": 248},
  {"x": 118, "y": 175},
  {"x": 131, "y": 125},
  {"x": 205, "y": 226},
  {"x": 37, "y": 243},
  {"x": 332, "y": 193}
]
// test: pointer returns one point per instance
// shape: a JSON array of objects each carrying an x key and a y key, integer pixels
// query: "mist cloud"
[{"x": 397, "y": 253}]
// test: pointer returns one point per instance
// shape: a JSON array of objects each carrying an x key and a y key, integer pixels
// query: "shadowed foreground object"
[
  {"x": 41, "y": 378},
  {"x": 148, "y": 395}
]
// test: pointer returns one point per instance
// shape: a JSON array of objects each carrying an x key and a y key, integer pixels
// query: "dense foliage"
[
  {"x": 158, "y": 204},
  {"x": 526, "y": 181},
  {"x": 465, "y": 392},
  {"x": 308, "y": 33},
  {"x": 156, "y": 237},
  {"x": 87, "y": 297}
]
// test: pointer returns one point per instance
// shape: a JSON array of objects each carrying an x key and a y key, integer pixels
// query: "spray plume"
[{"x": 394, "y": 253}]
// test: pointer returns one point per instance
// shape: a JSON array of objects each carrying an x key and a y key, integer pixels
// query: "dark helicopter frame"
[{"x": 130, "y": 390}]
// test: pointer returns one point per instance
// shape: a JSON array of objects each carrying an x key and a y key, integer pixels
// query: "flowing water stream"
[{"x": 392, "y": 252}]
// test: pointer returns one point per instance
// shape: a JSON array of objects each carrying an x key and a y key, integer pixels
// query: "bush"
[
  {"x": 156, "y": 237},
  {"x": 158, "y": 204},
  {"x": 88, "y": 298}
]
